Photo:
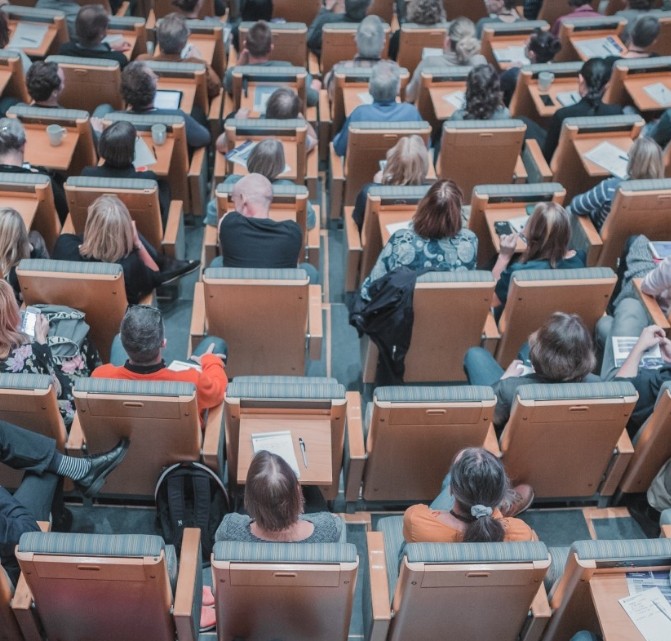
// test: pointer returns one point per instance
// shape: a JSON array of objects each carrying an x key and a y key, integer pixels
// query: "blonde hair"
[
  {"x": 14, "y": 243},
  {"x": 463, "y": 40},
  {"x": 10, "y": 320},
  {"x": 407, "y": 162},
  {"x": 645, "y": 160},
  {"x": 108, "y": 234}
]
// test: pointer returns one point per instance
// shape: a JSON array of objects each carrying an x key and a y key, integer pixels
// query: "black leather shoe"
[
  {"x": 101, "y": 466},
  {"x": 177, "y": 269}
]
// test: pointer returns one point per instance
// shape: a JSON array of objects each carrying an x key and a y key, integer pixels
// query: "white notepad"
[
  {"x": 279, "y": 443},
  {"x": 143, "y": 155},
  {"x": 457, "y": 99},
  {"x": 392, "y": 228},
  {"x": 610, "y": 157},
  {"x": 431, "y": 51},
  {"x": 511, "y": 53},
  {"x": 599, "y": 47},
  {"x": 28, "y": 35},
  {"x": 651, "y": 614},
  {"x": 566, "y": 98},
  {"x": 660, "y": 93}
]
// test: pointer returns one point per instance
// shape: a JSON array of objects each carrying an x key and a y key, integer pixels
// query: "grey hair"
[
  {"x": 12, "y": 135},
  {"x": 142, "y": 333},
  {"x": 385, "y": 81},
  {"x": 172, "y": 33},
  {"x": 370, "y": 37}
]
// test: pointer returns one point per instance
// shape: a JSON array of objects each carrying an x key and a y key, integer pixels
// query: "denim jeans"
[{"x": 481, "y": 368}]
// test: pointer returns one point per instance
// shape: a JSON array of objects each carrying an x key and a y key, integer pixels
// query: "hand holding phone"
[
  {"x": 29, "y": 320},
  {"x": 503, "y": 228}
]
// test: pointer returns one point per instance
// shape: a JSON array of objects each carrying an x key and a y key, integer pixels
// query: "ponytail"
[
  {"x": 466, "y": 48},
  {"x": 484, "y": 528}
]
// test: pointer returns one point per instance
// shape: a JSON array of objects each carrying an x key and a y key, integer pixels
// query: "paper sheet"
[
  {"x": 651, "y": 614},
  {"x": 566, "y": 98},
  {"x": 651, "y": 359},
  {"x": 240, "y": 154},
  {"x": 279, "y": 443},
  {"x": 512, "y": 53},
  {"x": 143, "y": 155},
  {"x": 640, "y": 581},
  {"x": 28, "y": 35},
  {"x": 610, "y": 157},
  {"x": 660, "y": 93},
  {"x": 431, "y": 51},
  {"x": 365, "y": 98},
  {"x": 392, "y": 228},
  {"x": 182, "y": 366},
  {"x": 261, "y": 95},
  {"x": 599, "y": 47},
  {"x": 519, "y": 223},
  {"x": 457, "y": 99}
]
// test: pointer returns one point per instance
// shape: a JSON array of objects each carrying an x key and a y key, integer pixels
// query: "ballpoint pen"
[{"x": 301, "y": 444}]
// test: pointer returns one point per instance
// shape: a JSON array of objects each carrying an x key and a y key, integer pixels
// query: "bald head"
[{"x": 252, "y": 196}]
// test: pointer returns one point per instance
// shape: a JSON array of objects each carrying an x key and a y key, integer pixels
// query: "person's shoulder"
[
  {"x": 517, "y": 530},
  {"x": 233, "y": 527},
  {"x": 327, "y": 526},
  {"x": 465, "y": 234},
  {"x": 107, "y": 371}
]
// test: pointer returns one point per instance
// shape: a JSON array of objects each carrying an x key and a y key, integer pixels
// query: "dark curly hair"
[
  {"x": 42, "y": 80},
  {"x": 138, "y": 86},
  {"x": 424, "y": 11},
  {"x": 483, "y": 93}
]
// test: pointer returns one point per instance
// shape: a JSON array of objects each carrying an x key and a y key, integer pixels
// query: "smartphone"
[
  {"x": 502, "y": 228},
  {"x": 547, "y": 101},
  {"x": 29, "y": 319}
]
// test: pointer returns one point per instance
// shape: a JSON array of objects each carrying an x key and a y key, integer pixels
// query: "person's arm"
[
  {"x": 196, "y": 135},
  {"x": 592, "y": 201},
  {"x": 142, "y": 252},
  {"x": 379, "y": 269},
  {"x": 650, "y": 336},
  {"x": 340, "y": 141},
  {"x": 661, "y": 131},
  {"x": 212, "y": 382},
  {"x": 15, "y": 519},
  {"x": 508, "y": 242},
  {"x": 552, "y": 139},
  {"x": 412, "y": 89},
  {"x": 658, "y": 280}
]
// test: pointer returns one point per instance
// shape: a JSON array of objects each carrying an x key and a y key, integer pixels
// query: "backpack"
[{"x": 190, "y": 495}]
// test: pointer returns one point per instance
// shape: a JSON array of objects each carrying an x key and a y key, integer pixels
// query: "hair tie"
[{"x": 478, "y": 511}]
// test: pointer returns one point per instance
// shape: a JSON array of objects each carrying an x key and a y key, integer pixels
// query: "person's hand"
[
  {"x": 120, "y": 45},
  {"x": 243, "y": 58},
  {"x": 514, "y": 369},
  {"x": 665, "y": 349},
  {"x": 650, "y": 336},
  {"x": 508, "y": 243},
  {"x": 209, "y": 350},
  {"x": 96, "y": 124},
  {"x": 41, "y": 329},
  {"x": 136, "y": 237}
]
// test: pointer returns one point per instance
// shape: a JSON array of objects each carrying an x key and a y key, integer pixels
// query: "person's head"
[
  {"x": 644, "y": 32},
  {"x": 356, "y": 9},
  {"x": 267, "y": 159},
  {"x": 259, "y": 41},
  {"x": 4, "y": 30},
  {"x": 117, "y": 144},
  {"x": 12, "y": 138},
  {"x": 438, "y": 214},
  {"x": 548, "y": 234},
  {"x": 187, "y": 7},
  {"x": 461, "y": 40},
  {"x": 172, "y": 33},
  {"x": 14, "y": 243},
  {"x": 138, "y": 85},
  {"x": 483, "y": 93},
  {"x": 593, "y": 78},
  {"x": 253, "y": 10},
  {"x": 91, "y": 25},
  {"x": 424, "y": 11},
  {"x": 10, "y": 319},
  {"x": 561, "y": 350},
  {"x": 370, "y": 38},
  {"x": 646, "y": 160},
  {"x": 108, "y": 233},
  {"x": 143, "y": 334},
  {"x": 499, "y": 6},
  {"x": 273, "y": 496},
  {"x": 478, "y": 484},
  {"x": 542, "y": 46},
  {"x": 283, "y": 104},
  {"x": 407, "y": 162},
  {"x": 45, "y": 82},
  {"x": 385, "y": 81},
  {"x": 252, "y": 195}
]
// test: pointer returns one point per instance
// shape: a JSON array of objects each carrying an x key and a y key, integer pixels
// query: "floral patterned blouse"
[{"x": 406, "y": 248}]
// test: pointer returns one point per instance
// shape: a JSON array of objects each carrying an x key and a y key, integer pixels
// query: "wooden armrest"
[
  {"x": 624, "y": 452},
  {"x": 76, "y": 442},
  {"x": 174, "y": 239},
  {"x": 540, "y": 613},
  {"x": 212, "y": 437},
  {"x": 314, "y": 241},
  {"x": 520, "y": 174},
  {"x": 189, "y": 565},
  {"x": 197, "y": 177},
  {"x": 665, "y": 532},
  {"x": 325, "y": 124},
  {"x": 68, "y": 226},
  {"x": 197, "y": 330},
  {"x": 379, "y": 588},
  {"x": 651, "y": 305},
  {"x": 355, "y": 446},
  {"x": 337, "y": 186},
  {"x": 25, "y": 614},
  {"x": 123, "y": 10},
  {"x": 215, "y": 113},
  {"x": 313, "y": 65},
  {"x": 315, "y": 323},
  {"x": 353, "y": 251},
  {"x": 491, "y": 442},
  {"x": 490, "y": 334},
  {"x": 586, "y": 237},
  {"x": 210, "y": 245},
  {"x": 312, "y": 175},
  {"x": 537, "y": 168}
]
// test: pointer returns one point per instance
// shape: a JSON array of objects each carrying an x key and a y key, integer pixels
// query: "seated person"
[
  {"x": 384, "y": 87},
  {"x": 640, "y": 36},
  {"x": 110, "y": 236},
  {"x": 660, "y": 130},
  {"x": 12, "y": 150},
  {"x": 435, "y": 241},
  {"x": 461, "y": 48},
  {"x": 560, "y": 351},
  {"x": 424, "y": 12},
  {"x": 43, "y": 464},
  {"x": 191, "y": 9},
  {"x": 370, "y": 41},
  {"x": 484, "y": 99},
  {"x": 45, "y": 83},
  {"x": 257, "y": 49},
  {"x": 541, "y": 48},
  {"x": 172, "y": 34},
  {"x": 407, "y": 163},
  {"x": 355, "y": 11},
  {"x": 116, "y": 147},
  {"x": 633, "y": 9},
  {"x": 91, "y": 31},
  {"x": 250, "y": 11},
  {"x": 645, "y": 162},
  {"x": 547, "y": 236},
  {"x": 274, "y": 502},
  {"x": 142, "y": 337},
  {"x": 579, "y": 9},
  {"x": 5, "y": 37},
  {"x": 138, "y": 89},
  {"x": 476, "y": 505},
  {"x": 499, "y": 11}
]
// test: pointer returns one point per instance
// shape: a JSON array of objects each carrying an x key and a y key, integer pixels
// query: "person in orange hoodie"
[{"x": 142, "y": 341}]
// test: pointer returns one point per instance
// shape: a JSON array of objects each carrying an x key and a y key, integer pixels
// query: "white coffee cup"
[
  {"x": 158, "y": 134},
  {"x": 55, "y": 134},
  {"x": 545, "y": 80}
]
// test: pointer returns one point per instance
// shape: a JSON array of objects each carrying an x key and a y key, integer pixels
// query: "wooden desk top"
[
  {"x": 352, "y": 97},
  {"x": 223, "y": 168},
  {"x": 560, "y": 85},
  {"x": 392, "y": 218},
  {"x": 162, "y": 152},
  {"x": 442, "y": 107},
  {"x": 636, "y": 84},
  {"x": 615, "y": 623},
  {"x": 315, "y": 431},
  {"x": 204, "y": 43},
  {"x": 575, "y": 38},
  {"x": 503, "y": 42},
  {"x": 27, "y": 207},
  {"x": 40, "y": 50},
  {"x": 493, "y": 216},
  {"x": 584, "y": 145},
  {"x": 39, "y": 152},
  {"x": 129, "y": 36}
]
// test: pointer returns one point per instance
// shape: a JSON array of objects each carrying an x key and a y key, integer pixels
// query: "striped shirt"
[{"x": 596, "y": 202}]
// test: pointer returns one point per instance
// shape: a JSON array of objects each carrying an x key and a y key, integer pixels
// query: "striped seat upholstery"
[
  {"x": 437, "y": 394},
  {"x": 115, "y": 386},
  {"x": 68, "y": 544},
  {"x": 22, "y": 380},
  {"x": 70, "y": 266},
  {"x": 248, "y": 273},
  {"x": 577, "y": 391},
  {"x": 245, "y": 552},
  {"x": 307, "y": 390}
]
